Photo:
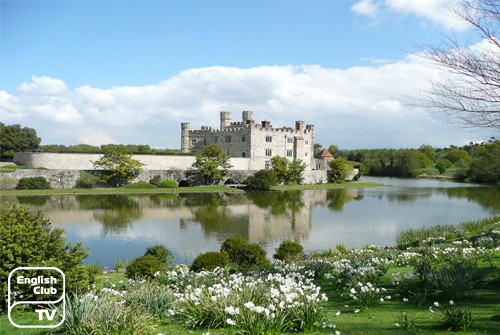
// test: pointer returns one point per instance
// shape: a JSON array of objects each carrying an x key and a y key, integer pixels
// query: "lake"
[{"x": 121, "y": 227}]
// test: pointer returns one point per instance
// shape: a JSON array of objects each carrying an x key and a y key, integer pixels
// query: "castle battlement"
[{"x": 257, "y": 140}]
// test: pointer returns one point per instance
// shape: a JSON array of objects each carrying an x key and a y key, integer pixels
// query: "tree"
[
  {"x": 295, "y": 169},
  {"x": 14, "y": 139},
  {"x": 212, "y": 164},
  {"x": 28, "y": 239},
  {"x": 118, "y": 164},
  {"x": 288, "y": 172},
  {"x": 471, "y": 91},
  {"x": 339, "y": 169},
  {"x": 280, "y": 167}
]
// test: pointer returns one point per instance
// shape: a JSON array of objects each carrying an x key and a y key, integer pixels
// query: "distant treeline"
[
  {"x": 474, "y": 162},
  {"x": 138, "y": 149}
]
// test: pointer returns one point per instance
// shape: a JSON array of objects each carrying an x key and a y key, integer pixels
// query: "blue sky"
[{"x": 131, "y": 71}]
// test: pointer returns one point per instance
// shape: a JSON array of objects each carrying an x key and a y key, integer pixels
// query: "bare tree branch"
[{"x": 470, "y": 87}]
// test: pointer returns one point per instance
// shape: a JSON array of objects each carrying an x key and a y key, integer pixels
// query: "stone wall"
[
  {"x": 60, "y": 179},
  {"x": 84, "y": 161}
]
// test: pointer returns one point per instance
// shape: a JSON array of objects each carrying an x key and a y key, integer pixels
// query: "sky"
[{"x": 130, "y": 72}]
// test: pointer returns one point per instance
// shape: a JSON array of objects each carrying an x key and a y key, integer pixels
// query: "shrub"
[
  {"x": 162, "y": 253},
  {"x": 7, "y": 183},
  {"x": 145, "y": 266},
  {"x": 86, "y": 180},
  {"x": 456, "y": 280},
  {"x": 156, "y": 181},
  {"x": 243, "y": 253},
  {"x": 209, "y": 261},
  {"x": 28, "y": 239},
  {"x": 139, "y": 184},
  {"x": 457, "y": 318},
  {"x": 262, "y": 180},
  {"x": 168, "y": 183},
  {"x": 35, "y": 183},
  {"x": 289, "y": 251},
  {"x": 232, "y": 246}
]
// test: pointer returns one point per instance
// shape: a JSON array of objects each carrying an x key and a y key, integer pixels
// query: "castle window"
[
  {"x": 243, "y": 154},
  {"x": 267, "y": 165},
  {"x": 228, "y": 151},
  {"x": 216, "y": 139},
  {"x": 243, "y": 139},
  {"x": 228, "y": 139},
  {"x": 193, "y": 142},
  {"x": 269, "y": 152},
  {"x": 289, "y": 140},
  {"x": 289, "y": 153},
  {"x": 269, "y": 138},
  {"x": 307, "y": 142}
]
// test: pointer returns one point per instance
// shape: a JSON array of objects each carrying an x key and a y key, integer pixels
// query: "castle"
[{"x": 258, "y": 142}]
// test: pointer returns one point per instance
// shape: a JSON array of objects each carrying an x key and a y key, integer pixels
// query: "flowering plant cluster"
[
  {"x": 368, "y": 295},
  {"x": 252, "y": 304}
]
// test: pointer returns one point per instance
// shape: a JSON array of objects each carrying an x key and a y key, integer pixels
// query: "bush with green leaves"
[
  {"x": 457, "y": 318},
  {"x": 29, "y": 239},
  {"x": 34, "y": 183},
  {"x": 456, "y": 280},
  {"x": 289, "y": 251},
  {"x": 144, "y": 267},
  {"x": 168, "y": 183},
  {"x": 138, "y": 185},
  {"x": 208, "y": 261},
  {"x": 243, "y": 253},
  {"x": 162, "y": 253},
  {"x": 156, "y": 181},
  {"x": 87, "y": 180},
  {"x": 262, "y": 180}
]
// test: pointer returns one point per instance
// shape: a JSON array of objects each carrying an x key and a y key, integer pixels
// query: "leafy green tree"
[
  {"x": 280, "y": 167},
  {"x": 118, "y": 164},
  {"x": 486, "y": 163},
  {"x": 333, "y": 149},
  {"x": 212, "y": 164},
  {"x": 262, "y": 180},
  {"x": 455, "y": 155},
  {"x": 339, "y": 169},
  {"x": 442, "y": 165},
  {"x": 295, "y": 169},
  {"x": 15, "y": 138},
  {"x": 28, "y": 239},
  {"x": 287, "y": 172}
]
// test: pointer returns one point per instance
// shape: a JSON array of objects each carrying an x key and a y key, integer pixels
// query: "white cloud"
[
  {"x": 366, "y": 7},
  {"x": 437, "y": 11},
  {"x": 353, "y": 108}
]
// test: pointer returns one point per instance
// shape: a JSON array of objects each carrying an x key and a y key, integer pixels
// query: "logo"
[{"x": 36, "y": 297}]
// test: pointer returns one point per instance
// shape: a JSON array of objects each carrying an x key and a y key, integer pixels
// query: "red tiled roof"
[{"x": 324, "y": 153}]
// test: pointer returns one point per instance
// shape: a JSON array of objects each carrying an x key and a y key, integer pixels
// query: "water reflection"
[{"x": 123, "y": 226}]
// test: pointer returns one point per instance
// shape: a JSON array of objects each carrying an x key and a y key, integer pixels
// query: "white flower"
[
  {"x": 431, "y": 310},
  {"x": 397, "y": 324},
  {"x": 230, "y": 322},
  {"x": 249, "y": 305},
  {"x": 356, "y": 311},
  {"x": 451, "y": 303},
  {"x": 337, "y": 332},
  {"x": 405, "y": 299},
  {"x": 338, "y": 313},
  {"x": 436, "y": 303}
]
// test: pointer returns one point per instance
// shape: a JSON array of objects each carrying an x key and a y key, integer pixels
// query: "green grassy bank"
[{"x": 195, "y": 189}]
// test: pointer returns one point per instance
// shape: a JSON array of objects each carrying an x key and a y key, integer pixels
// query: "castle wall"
[{"x": 68, "y": 161}]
